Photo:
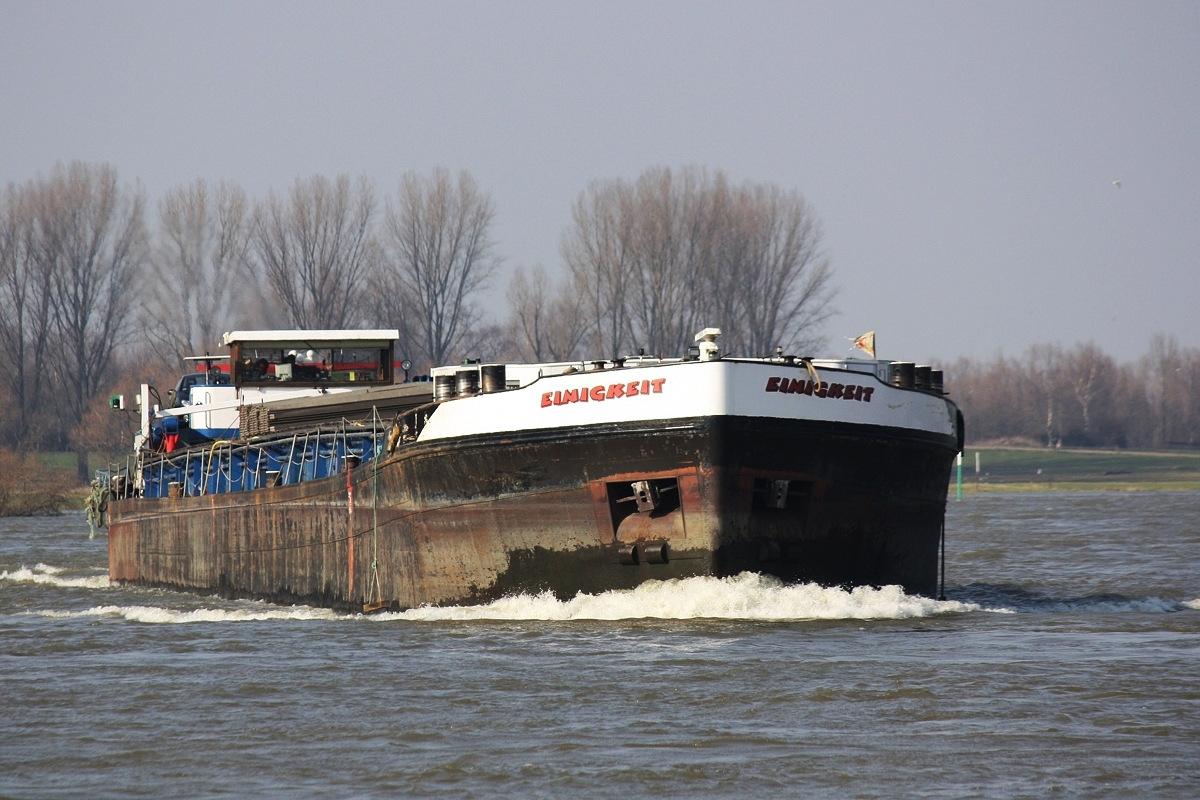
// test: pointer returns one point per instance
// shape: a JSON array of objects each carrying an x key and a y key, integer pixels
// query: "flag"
[{"x": 866, "y": 343}]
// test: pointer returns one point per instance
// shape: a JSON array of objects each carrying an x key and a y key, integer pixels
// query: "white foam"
[
  {"x": 747, "y": 596},
  {"x": 46, "y": 574},
  {"x": 158, "y": 615},
  {"x": 1094, "y": 605}
]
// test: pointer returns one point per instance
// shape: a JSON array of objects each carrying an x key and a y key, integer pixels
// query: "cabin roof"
[{"x": 312, "y": 338}]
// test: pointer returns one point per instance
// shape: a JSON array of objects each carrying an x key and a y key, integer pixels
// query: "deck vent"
[
  {"x": 466, "y": 381},
  {"x": 706, "y": 340},
  {"x": 493, "y": 378},
  {"x": 921, "y": 377},
  {"x": 902, "y": 374},
  {"x": 444, "y": 387},
  {"x": 937, "y": 381}
]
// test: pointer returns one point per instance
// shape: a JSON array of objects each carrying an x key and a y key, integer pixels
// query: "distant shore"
[
  {"x": 1002, "y": 469},
  {"x": 1006, "y": 468},
  {"x": 1076, "y": 486},
  {"x": 41, "y": 504}
]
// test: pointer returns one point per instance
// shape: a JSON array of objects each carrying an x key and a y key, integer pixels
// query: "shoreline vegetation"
[
  {"x": 44, "y": 483},
  {"x": 32, "y": 485}
]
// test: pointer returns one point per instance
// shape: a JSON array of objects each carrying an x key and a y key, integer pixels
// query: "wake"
[
  {"x": 46, "y": 574},
  {"x": 748, "y": 596},
  {"x": 157, "y": 615}
]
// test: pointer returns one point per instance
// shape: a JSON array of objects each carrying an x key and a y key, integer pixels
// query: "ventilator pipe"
[
  {"x": 444, "y": 387},
  {"x": 707, "y": 340}
]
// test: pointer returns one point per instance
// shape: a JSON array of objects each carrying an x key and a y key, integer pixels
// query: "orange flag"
[{"x": 866, "y": 343}]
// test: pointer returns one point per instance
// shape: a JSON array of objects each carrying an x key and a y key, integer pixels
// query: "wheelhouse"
[{"x": 319, "y": 359}]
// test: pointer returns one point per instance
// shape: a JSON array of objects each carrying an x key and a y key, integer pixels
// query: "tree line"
[
  {"x": 95, "y": 285},
  {"x": 1080, "y": 396},
  {"x": 652, "y": 261}
]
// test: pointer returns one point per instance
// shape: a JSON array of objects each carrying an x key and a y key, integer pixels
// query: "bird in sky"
[{"x": 1117, "y": 183}]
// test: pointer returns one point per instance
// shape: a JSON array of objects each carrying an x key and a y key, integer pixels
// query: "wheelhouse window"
[
  {"x": 270, "y": 366},
  {"x": 359, "y": 364}
]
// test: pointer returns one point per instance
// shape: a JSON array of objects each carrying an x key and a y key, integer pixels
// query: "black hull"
[{"x": 470, "y": 520}]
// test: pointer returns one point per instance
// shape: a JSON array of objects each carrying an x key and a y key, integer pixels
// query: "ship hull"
[{"x": 474, "y": 518}]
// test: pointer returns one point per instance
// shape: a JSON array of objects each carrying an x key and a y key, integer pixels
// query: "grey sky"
[{"x": 960, "y": 155}]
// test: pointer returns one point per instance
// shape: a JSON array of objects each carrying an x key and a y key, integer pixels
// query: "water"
[{"x": 1066, "y": 661}]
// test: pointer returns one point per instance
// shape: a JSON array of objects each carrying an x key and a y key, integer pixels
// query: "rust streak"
[{"x": 350, "y": 535}]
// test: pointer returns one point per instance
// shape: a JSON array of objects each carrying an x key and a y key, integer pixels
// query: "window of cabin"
[{"x": 339, "y": 365}]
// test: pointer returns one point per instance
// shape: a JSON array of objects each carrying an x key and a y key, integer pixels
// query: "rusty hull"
[{"x": 470, "y": 520}]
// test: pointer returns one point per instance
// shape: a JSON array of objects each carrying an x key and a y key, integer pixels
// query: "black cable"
[{"x": 943, "y": 593}]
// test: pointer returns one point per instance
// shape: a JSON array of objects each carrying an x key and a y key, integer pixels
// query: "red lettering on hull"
[
  {"x": 597, "y": 394},
  {"x": 835, "y": 391}
]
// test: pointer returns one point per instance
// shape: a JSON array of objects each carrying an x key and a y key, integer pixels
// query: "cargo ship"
[{"x": 301, "y": 468}]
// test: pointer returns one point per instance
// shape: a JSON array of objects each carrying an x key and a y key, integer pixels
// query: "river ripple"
[{"x": 1066, "y": 661}]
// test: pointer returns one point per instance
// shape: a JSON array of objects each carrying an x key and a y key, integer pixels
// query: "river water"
[{"x": 1066, "y": 661}]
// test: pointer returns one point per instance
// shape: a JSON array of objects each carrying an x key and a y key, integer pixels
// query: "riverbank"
[
  {"x": 44, "y": 483},
  {"x": 43, "y": 504},
  {"x": 1030, "y": 469}
]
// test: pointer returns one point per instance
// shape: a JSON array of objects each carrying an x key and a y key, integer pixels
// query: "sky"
[{"x": 960, "y": 156}]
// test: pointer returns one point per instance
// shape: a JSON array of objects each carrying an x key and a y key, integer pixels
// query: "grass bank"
[
  {"x": 43, "y": 483},
  {"x": 1034, "y": 469}
]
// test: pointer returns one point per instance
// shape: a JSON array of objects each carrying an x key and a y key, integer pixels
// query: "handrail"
[{"x": 217, "y": 458}]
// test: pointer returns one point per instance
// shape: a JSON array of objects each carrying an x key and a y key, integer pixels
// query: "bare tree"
[
  {"x": 25, "y": 312},
  {"x": 1190, "y": 384},
  {"x": 200, "y": 261},
  {"x": 93, "y": 243},
  {"x": 1044, "y": 362},
  {"x": 1088, "y": 371},
  {"x": 673, "y": 251},
  {"x": 1082, "y": 396},
  {"x": 1163, "y": 366},
  {"x": 439, "y": 255},
  {"x": 674, "y": 235},
  {"x": 599, "y": 251},
  {"x": 546, "y": 323},
  {"x": 785, "y": 276},
  {"x": 316, "y": 249}
]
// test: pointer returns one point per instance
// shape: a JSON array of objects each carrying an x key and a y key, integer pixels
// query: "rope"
[
  {"x": 97, "y": 506},
  {"x": 812, "y": 373},
  {"x": 291, "y": 457},
  {"x": 208, "y": 466},
  {"x": 375, "y": 456},
  {"x": 942, "y": 595}
]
